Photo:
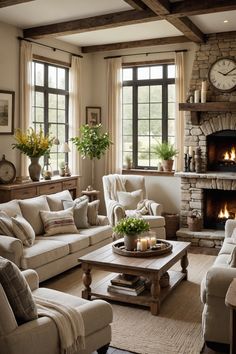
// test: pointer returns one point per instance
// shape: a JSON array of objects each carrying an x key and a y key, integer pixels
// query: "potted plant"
[
  {"x": 92, "y": 143},
  {"x": 166, "y": 151},
  {"x": 130, "y": 229}
]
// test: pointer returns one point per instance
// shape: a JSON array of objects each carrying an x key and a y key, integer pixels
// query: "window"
[
  {"x": 148, "y": 112},
  {"x": 50, "y": 106}
]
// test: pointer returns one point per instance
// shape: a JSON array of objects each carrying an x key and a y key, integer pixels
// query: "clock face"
[
  {"x": 222, "y": 74},
  {"x": 7, "y": 172}
]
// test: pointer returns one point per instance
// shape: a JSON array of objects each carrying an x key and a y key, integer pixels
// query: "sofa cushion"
[
  {"x": 227, "y": 247},
  {"x": 55, "y": 200},
  {"x": 58, "y": 222},
  {"x": 6, "y": 227},
  {"x": 154, "y": 221},
  {"x": 93, "y": 212},
  {"x": 11, "y": 208},
  {"x": 8, "y": 322},
  {"x": 80, "y": 212},
  {"x": 43, "y": 252},
  {"x": 17, "y": 291},
  {"x": 30, "y": 209},
  {"x": 76, "y": 242},
  {"x": 129, "y": 200},
  {"x": 23, "y": 230},
  {"x": 97, "y": 234}
]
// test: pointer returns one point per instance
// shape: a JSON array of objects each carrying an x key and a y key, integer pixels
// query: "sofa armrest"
[
  {"x": 11, "y": 248},
  {"x": 32, "y": 278},
  {"x": 103, "y": 220},
  {"x": 230, "y": 225},
  {"x": 156, "y": 208},
  {"x": 218, "y": 280},
  {"x": 115, "y": 212}
]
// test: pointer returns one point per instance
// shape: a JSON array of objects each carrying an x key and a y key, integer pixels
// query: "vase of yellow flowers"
[{"x": 33, "y": 144}]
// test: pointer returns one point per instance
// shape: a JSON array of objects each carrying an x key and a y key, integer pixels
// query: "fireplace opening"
[
  {"x": 219, "y": 206},
  {"x": 221, "y": 151}
]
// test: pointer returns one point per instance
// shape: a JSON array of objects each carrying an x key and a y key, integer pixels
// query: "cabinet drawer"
[
  {"x": 69, "y": 184},
  {"x": 24, "y": 193},
  {"x": 50, "y": 188}
]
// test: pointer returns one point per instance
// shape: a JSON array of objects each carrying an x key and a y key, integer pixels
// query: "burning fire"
[
  {"x": 230, "y": 155},
  {"x": 224, "y": 213}
]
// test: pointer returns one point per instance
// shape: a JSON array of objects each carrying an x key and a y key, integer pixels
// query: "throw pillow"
[
  {"x": 58, "y": 222},
  {"x": 80, "y": 212},
  {"x": 55, "y": 201},
  {"x": 232, "y": 259},
  {"x": 23, "y": 230},
  {"x": 129, "y": 200},
  {"x": 11, "y": 208},
  {"x": 93, "y": 212},
  {"x": 17, "y": 291},
  {"x": 6, "y": 227}
]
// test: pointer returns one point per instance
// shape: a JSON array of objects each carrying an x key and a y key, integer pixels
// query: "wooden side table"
[
  {"x": 230, "y": 301},
  {"x": 92, "y": 195}
]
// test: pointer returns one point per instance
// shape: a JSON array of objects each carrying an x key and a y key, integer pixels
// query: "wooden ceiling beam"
[
  {"x": 6, "y": 3},
  {"x": 136, "y": 4},
  {"x": 117, "y": 19},
  {"x": 201, "y": 7},
  {"x": 135, "y": 44},
  {"x": 162, "y": 7}
]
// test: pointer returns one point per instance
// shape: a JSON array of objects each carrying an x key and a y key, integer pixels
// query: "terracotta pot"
[
  {"x": 130, "y": 242},
  {"x": 167, "y": 165},
  {"x": 34, "y": 169}
]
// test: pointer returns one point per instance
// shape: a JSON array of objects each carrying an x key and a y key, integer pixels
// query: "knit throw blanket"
[{"x": 69, "y": 322}]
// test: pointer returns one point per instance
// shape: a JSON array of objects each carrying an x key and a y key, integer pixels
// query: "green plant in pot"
[
  {"x": 166, "y": 152},
  {"x": 92, "y": 143},
  {"x": 131, "y": 229}
]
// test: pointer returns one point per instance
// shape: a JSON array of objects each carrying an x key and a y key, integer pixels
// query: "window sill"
[{"x": 146, "y": 172}]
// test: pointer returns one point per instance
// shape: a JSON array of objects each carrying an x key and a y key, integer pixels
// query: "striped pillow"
[
  {"x": 58, "y": 222},
  {"x": 23, "y": 230},
  {"x": 6, "y": 227}
]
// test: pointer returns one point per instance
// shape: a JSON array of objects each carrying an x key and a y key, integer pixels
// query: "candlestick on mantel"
[
  {"x": 186, "y": 150},
  {"x": 190, "y": 151}
]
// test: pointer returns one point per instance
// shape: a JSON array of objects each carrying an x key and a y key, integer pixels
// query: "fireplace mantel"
[{"x": 207, "y": 175}]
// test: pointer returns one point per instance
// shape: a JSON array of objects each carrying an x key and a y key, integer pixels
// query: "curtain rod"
[
  {"x": 130, "y": 55},
  {"x": 48, "y": 46}
]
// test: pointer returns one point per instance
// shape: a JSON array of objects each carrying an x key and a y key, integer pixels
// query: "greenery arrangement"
[
  {"x": 33, "y": 144},
  {"x": 165, "y": 151},
  {"x": 93, "y": 142},
  {"x": 131, "y": 226}
]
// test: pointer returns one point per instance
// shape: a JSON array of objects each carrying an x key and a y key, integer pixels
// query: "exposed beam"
[
  {"x": 162, "y": 7},
  {"x": 136, "y": 4},
  {"x": 135, "y": 44},
  {"x": 200, "y": 7},
  {"x": 6, "y": 3}
]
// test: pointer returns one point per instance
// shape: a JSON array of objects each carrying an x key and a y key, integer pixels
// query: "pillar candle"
[
  {"x": 138, "y": 245},
  {"x": 153, "y": 241},
  {"x": 196, "y": 96},
  {"x": 203, "y": 96},
  {"x": 190, "y": 151},
  {"x": 143, "y": 245},
  {"x": 204, "y": 85}
]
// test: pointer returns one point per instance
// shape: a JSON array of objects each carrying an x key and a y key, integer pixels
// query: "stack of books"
[{"x": 127, "y": 285}]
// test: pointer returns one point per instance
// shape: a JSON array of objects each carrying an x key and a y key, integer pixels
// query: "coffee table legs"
[
  {"x": 87, "y": 280},
  {"x": 155, "y": 292},
  {"x": 184, "y": 264}
]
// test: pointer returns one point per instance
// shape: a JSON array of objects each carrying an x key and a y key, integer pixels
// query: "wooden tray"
[{"x": 118, "y": 247}]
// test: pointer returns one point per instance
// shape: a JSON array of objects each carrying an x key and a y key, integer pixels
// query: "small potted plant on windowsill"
[{"x": 166, "y": 151}]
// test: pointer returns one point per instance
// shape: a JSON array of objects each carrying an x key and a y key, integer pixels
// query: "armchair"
[
  {"x": 122, "y": 193},
  {"x": 41, "y": 335}
]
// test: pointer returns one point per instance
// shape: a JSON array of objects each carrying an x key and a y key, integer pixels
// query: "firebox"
[
  {"x": 219, "y": 206},
  {"x": 221, "y": 151}
]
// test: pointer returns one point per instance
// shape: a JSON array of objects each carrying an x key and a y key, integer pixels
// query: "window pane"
[
  {"x": 171, "y": 127},
  {"x": 143, "y": 159},
  {"x": 156, "y": 93},
  {"x": 171, "y": 110},
  {"x": 127, "y": 111},
  {"x": 171, "y": 93},
  {"x": 157, "y": 72},
  {"x": 143, "y": 110},
  {"x": 127, "y": 143},
  {"x": 61, "y": 133},
  {"x": 39, "y": 99},
  {"x": 143, "y": 143},
  {"x": 171, "y": 140},
  {"x": 52, "y": 115},
  {"x": 52, "y": 77},
  {"x": 39, "y": 115},
  {"x": 127, "y": 126},
  {"x": 61, "y": 116},
  {"x": 156, "y": 127},
  {"x": 52, "y": 100},
  {"x": 155, "y": 110},
  {"x": 143, "y": 94},
  {"x": 171, "y": 71},
  {"x": 154, "y": 160},
  {"x": 127, "y": 74},
  {"x": 61, "y": 78},
  {"x": 61, "y": 102},
  {"x": 53, "y": 130},
  {"x": 143, "y": 127},
  {"x": 127, "y": 94},
  {"x": 143, "y": 73},
  {"x": 39, "y": 74}
]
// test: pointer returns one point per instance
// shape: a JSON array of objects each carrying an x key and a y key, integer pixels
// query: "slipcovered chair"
[
  {"x": 40, "y": 335},
  {"x": 125, "y": 195}
]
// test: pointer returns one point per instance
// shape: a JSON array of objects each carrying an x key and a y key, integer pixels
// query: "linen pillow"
[
  {"x": 93, "y": 212},
  {"x": 55, "y": 201},
  {"x": 6, "y": 227},
  {"x": 80, "y": 212},
  {"x": 129, "y": 200},
  {"x": 17, "y": 291},
  {"x": 23, "y": 230},
  {"x": 11, "y": 208},
  {"x": 58, "y": 222}
]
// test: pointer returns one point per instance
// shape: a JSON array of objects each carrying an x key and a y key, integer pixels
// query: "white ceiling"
[{"x": 42, "y": 12}]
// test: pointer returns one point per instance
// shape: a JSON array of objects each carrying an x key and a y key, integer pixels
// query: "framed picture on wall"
[
  {"x": 7, "y": 104},
  {"x": 93, "y": 115}
]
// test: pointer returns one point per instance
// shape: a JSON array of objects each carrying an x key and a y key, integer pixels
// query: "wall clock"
[
  {"x": 7, "y": 171},
  {"x": 222, "y": 74}
]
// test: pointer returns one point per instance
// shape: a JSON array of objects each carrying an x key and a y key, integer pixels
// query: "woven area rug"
[{"x": 178, "y": 327}]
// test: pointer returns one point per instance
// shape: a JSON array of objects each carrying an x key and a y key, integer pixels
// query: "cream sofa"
[
  {"x": 40, "y": 336},
  {"x": 215, "y": 317},
  {"x": 50, "y": 255}
]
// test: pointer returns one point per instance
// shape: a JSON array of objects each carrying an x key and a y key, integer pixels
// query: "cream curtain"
[
  {"x": 180, "y": 97},
  {"x": 114, "y": 123},
  {"x": 75, "y": 111},
  {"x": 26, "y": 89}
]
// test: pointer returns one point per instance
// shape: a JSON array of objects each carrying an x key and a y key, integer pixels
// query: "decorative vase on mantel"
[
  {"x": 130, "y": 242},
  {"x": 34, "y": 169}
]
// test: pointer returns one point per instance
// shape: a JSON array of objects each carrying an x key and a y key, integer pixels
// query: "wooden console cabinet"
[{"x": 31, "y": 189}]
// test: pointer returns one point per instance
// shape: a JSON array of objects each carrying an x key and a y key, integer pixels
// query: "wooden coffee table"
[{"x": 152, "y": 268}]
